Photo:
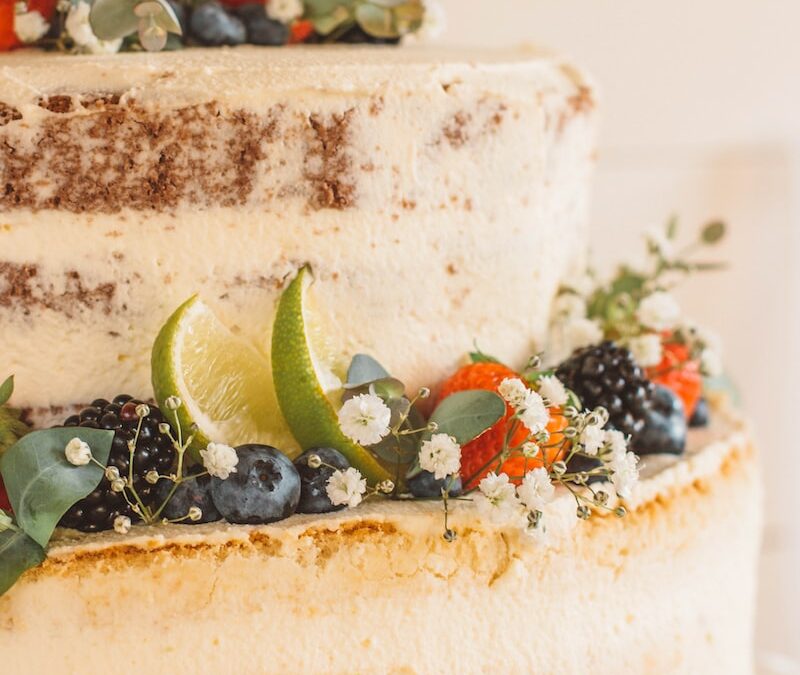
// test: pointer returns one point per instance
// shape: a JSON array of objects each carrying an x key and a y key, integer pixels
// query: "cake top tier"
[{"x": 247, "y": 71}]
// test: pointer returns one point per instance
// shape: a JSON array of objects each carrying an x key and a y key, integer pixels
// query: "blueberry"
[
  {"x": 702, "y": 414},
  {"x": 264, "y": 488},
  {"x": 357, "y": 35},
  {"x": 313, "y": 496},
  {"x": 425, "y": 486},
  {"x": 665, "y": 426},
  {"x": 195, "y": 492},
  {"x": 581, "y": 463},
  {"x": 211, "y": 25},
  {"x": 261, "y": 30}
]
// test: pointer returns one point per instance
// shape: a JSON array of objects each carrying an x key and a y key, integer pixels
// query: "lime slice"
[
  {"x": 224, "y": 382},
  {"x": 308, "y": 391}
]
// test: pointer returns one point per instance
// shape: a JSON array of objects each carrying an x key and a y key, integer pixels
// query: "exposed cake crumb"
[
  {"x": 8, "y": 114},
  {"x": 327, "y": 162},
  {"x": 58, "y": 103}
]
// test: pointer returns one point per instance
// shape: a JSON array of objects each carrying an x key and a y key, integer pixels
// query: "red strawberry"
[
  {"x": 4, "y": 503},
  {"x": 476, "y": 454},
  {"x": 678, "y": 372},
  {"x": 300, "y": 31}
]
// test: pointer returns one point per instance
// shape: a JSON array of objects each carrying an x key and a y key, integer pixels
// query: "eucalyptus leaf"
[
  {"x": 377, "y": 21},
  {"x": 389, "y": 449},
  {"x": 18, "y": 552},
  {"x": 713, "y": 232},
  {"x": 465, "y": 415},
  {"x": 363, "y": 370},
  {"x": 6, "y": 389},
  {"x": 324, "y": 7},
  {"x": 389, "y": 4},
  {"x": 42, "y": 484},
  {"x": 113, "y": 19},
  {"x": 327, "y": 24}
]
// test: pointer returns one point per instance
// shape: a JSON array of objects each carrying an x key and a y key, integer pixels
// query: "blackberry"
[
  {"x": 154, "y": 452},
  {"x": 606, "y": 375}
]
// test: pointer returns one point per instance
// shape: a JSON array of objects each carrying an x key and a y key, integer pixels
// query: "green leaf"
[
  {"x": 377, "y": 21},
  {"x": 363, "y": 370},
  {"x": 42, "y": 484},
  {"x": 18, "y": 552},
  {"x": 713, "y": 232},
  {"x": 113, "y": 19},
  {"x": 6, "y": 389},
  {"x": 323, "y": 7},
  {"x": 465, "y": 415},
  {"x": 480, "y": 357},
  {"x": 389, "y": 4},
  {"x": 404, "y": 451}
]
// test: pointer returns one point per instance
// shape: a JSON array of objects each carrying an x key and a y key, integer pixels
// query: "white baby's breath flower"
[
  {"x": 29, "y": 26},
  {"x": 513, "y": 391},
  {"x": 625, "y": 474},
  {"x": 567, "y": 336},
  {"x": 78, "y": 452},
  {"x": 616, "y": 442},
  {"x": 536, "y": 490},
  {"x": 195, "y": 513},
  {"x": 569, "y": 306},
  {"x": 284, "y": 11},
  {"x": 710, "y": 362},
  {"x": 346, "y": 487},
  {"x": 80, "y": 30},
  {"x": 365, "y": 419},
  {"x": 646, "y": 349},
  {"x": 659, "y": 311},
  {"x": 530, "y": 450},
  {"x": 122, "y": 524},
  {"x": 534, "y": 414},
  {"x": 434, "y": 23},
  {"x": 220, "y": 460},
  {"x": 497, "y": 499},
  {"x": 441, "y": 455},
  {"x": 553, "y": 390},
  {"x": 592, "y": 439}
]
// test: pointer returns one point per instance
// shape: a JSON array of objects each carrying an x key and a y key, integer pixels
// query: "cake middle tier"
[{"x": 438, "y": 201}]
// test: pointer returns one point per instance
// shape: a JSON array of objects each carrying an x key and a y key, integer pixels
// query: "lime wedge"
[
  {"x": 224, "y": 382},
  {"x": 309, "y": 393}
]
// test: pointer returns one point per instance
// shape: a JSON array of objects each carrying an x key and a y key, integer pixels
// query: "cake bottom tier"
[{"x": 668, "y": 589}]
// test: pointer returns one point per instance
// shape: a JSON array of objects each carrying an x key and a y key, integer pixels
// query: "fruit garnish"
[
  {"x": 665, "y": 427},
  {"x": 308, "y": 390},
  {"x": 264, "y": 488},
  {"x": 607, "y": 375},
  {"x": 476, "y": 454},
  {"x": 316, "y": 466},
  {"x": 679, "y": 373},
  {"x": 223, "y": 381}
]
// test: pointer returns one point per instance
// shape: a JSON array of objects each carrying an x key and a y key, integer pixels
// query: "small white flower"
[
  {"x": 646, "y": 349},
  {"x": 625, "y": 474},
  {"x": 535, "y": 414},
  {"x": 659, "y": 311},
  {"x": 284, "y": 11},
  {"x": 537, "y": 489},
  {"x": 5, "y": 521},
  {"x": 592, "y": 439},
  {"x": 530, "y": 450},
  {"x": 365, "y": 419},
  {"x": 513, "y": 391},
  {"x": 29, "y": 26},
  {"x": 441, "y": 455},
  {"x": 616, "y": 442},
  {"x": 567, "y": 336},
  {"x": 195, "y": 513},
  {"x": 79, "y": 29},
  {"x": 553, "y": 390},
  {"x": 710, "y": 362},
  {"x": 346, "y": 487},
  {"x": 78, "y": 452},
  {"x": 220, "y": 460},
  {"x": 569, "y": 306},
  {"x": 122, "y": 524},
  {"x": 497, "y": 499}
]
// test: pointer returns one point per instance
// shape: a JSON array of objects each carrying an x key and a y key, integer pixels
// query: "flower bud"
[
  {"x": 620, "y": 512},
  {"x": 449, "y": 535},
  {"x": 386, "y": 486},
  {"x": 424, "y": 392},
  {"x": 583, "y": 512},
  {"x": 314, "y": 461},
  {"x": 112, "y": 473},
  {"x": 433, "y": 426},
  {"x": 559, "y": 468},
  {"x": 173, "y": 403},
  {"x": 142, "y": 410},
  {"x": 118, "y": 485},
  {"x": 151, "y": 477},
  {"x": 163, "y": 428},
  {"x": 195, "y": 514}
]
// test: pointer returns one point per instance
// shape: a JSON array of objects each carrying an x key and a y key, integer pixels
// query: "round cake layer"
[
  {"x": 667, "y": 589},
  {"x": 439, "y": 196}
]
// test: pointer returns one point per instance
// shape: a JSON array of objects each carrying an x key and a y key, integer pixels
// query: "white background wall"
[{"x": 701, "y": 117}]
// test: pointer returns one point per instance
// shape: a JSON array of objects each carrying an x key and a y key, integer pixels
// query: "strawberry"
[
  {"x": 5, "y": 504},
  {"x": 300, "y": 31},
  {"x": 476, "y": 454},
  {"x": 680, "y": 373}
]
